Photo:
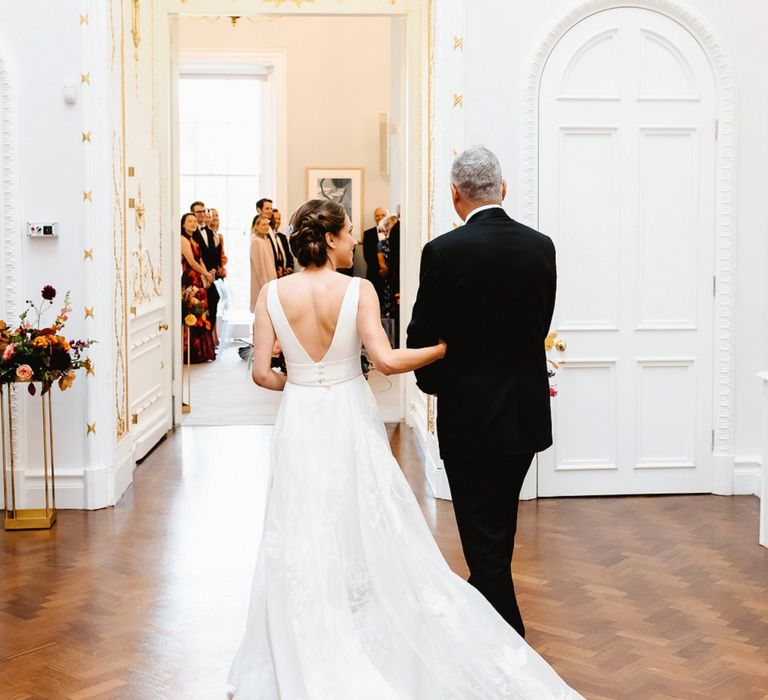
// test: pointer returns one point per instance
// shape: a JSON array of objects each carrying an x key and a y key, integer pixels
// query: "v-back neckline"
[{"x": 335, "y": 328}]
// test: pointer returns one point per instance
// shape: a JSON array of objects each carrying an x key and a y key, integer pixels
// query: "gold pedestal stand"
[
  {"x": 186, "y": 406},
  {"x": 27, "y": 518}
]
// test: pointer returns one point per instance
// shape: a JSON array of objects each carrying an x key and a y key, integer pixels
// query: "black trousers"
[
  {"x": 485, "y": 492},
  {"x": 213, "y": 304}
]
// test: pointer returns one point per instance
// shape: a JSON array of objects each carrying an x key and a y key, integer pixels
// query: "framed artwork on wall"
[{"x": 341, "y": 185}]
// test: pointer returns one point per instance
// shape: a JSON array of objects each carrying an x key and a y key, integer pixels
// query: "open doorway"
[{"x": 265, "y": 104}]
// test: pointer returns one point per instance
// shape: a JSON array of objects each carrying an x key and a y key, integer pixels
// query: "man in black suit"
[
  {"x": 488, "y": 289},
  {"x": 282, "y": 239},
  {"x": 210, "y": 254},
  {"x": 370, "y": 251}
]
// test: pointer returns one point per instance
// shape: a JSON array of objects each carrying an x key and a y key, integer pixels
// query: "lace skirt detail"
[{"x": 351, "y": 596}]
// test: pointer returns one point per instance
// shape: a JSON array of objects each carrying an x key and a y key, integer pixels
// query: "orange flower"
[
  {"x": 190, "y": 319},
  {"x": 65, "y": 381},
  {"x": 63, "y": 343},
  {"x": 41, "y": 341}
]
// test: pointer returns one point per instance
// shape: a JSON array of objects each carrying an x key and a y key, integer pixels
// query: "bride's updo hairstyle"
[{"x": 309, "y": 224}]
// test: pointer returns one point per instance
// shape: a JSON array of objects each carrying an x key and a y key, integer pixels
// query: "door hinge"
[
  {"x": 717, "y": 129},
  {"x": 714, "y": 285}
]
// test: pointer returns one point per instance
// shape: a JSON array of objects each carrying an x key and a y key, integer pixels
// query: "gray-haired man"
[{"x": 488, "y": 289}]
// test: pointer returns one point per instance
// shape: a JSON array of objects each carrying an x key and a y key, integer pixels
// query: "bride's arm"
[
  {"x": 263, "y": 342},
  {"x": 385, "y": 359}
]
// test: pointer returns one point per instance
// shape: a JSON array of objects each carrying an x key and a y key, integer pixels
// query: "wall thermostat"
[{"x": 44, "y": 229}]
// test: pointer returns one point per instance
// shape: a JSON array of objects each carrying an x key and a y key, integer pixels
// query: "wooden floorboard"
[{"x": 643, "y": 598}]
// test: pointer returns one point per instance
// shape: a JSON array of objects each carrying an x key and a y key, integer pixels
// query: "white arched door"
[{"x": 627, "y": 192}]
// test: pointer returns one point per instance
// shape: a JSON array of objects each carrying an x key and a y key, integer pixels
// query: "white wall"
[
  {"x": 499, "y": 42},
  {"x": 338, "y": 80},
  {"x": 39, "y": 42}
]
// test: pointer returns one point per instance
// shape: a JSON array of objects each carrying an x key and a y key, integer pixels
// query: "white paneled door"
[{"x": 626, "y": 190}]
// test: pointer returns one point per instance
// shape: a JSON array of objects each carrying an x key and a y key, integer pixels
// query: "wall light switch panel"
[{"x": 43, "y": 229}]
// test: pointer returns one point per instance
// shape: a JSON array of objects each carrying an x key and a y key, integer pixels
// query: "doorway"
[
  {"x": 308, "y": 113},
  {"x": 627, "y": 158}
]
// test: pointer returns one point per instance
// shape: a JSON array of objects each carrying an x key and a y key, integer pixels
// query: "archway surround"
[
  {"x": 8, "y": 175},
  {"x": 724, "y": 229},
  {"x": 8, "y": 213}
]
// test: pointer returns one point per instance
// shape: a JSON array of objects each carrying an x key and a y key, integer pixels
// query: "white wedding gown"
[{"x": 351, "y": 598}]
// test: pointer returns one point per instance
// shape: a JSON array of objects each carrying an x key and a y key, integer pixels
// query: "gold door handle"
[
  {"x": 561, "y": 345},
  {"x": 162, "y": 327}
]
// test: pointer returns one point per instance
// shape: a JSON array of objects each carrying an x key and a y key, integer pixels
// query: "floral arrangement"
[
  {"x": 195, "y": 307},
  {"x": 553, "y": 366},
  {"x": 31, "y": 353}
]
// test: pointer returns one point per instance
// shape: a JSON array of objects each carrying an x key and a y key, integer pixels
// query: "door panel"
[{"x": 626, "y": 180}]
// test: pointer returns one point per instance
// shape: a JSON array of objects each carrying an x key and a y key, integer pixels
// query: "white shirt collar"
[{"x": 479, "y": 209}]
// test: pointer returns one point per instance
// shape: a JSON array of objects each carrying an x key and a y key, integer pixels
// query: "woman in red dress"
[{"x": 194, "y": 301}]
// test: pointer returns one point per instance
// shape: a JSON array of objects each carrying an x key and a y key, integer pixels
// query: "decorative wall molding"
[
  {"x": 724, "y": 356},
  {"x": 9, "y": 225}
]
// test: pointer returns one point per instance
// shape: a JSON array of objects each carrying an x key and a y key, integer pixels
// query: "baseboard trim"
[
  {"x": 747, "y": 478},
  {"x": 76, "y": 489}
]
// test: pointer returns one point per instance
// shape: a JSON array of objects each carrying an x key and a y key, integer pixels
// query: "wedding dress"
[{"x": 351, "y": 597}]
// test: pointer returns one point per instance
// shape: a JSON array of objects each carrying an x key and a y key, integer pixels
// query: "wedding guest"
[
  {"x": 370, "y": 251},
  {"x": 282, "y": 241},
  {"x": 262, "y": 256},
  {"x": 218, "y": 242},
  {"x": 264, "y": 208},
  {"x": 195, "y": 279},
  {"x": 394, "y": 275},
  {"x": 387, "y": 299},
  {"x": 204, "y": 238}
]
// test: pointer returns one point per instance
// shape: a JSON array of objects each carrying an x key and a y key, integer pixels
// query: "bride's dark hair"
[{"x": 309, "y": 224}]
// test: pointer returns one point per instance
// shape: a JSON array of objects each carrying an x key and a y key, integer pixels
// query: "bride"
[{"x": 351, "y": 597}]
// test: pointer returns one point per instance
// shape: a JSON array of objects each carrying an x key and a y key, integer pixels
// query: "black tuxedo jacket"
[
  {"x": 211, "y": 260},
  {"x": 289, "y": 262},
  {"x": 211, "y": 256},
  {"x": 488, "y": 289},
  {"x": 371, "y": 256}
]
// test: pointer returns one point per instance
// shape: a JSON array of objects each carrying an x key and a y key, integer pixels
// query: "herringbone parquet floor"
[{"x": 629, "y": 598}]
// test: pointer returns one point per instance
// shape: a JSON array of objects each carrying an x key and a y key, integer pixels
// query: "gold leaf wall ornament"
[
  {"x": 87, "y": 195},
  {"x": 136, "y": 25},
  {"x": 458, "y": 42},
  {"x": 146, "y": 282},
  {"x": 458, "y": 100},
  {"x": 86, "y": 136},
  {"x": 91, "y": 429},
  {"x": 83, "y": 20},
  {"x": 431, "y": 411},
  {"x": 88, "y": 254},
  {"x": 85, "y": 78},
  {"x": 88, "y": 312}
]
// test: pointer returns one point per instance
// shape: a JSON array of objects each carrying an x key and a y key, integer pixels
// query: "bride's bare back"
[{"x": 311, "y": 303}]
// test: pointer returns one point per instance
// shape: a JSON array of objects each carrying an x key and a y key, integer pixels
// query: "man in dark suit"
[
  {"x": 370, "y": 251},
  {"x": 488, "y": 289},
  {"x": 210, "y": 254},
  {"x": 282, "y": 240}
]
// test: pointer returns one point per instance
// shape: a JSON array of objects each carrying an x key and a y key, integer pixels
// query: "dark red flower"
[{"x": 48, "y": 292}]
